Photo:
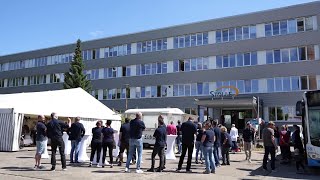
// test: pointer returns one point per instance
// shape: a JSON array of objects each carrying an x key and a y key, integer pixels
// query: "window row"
[
  {"x": 114, "y": 51},
  {"x": 237, "y": 60},
  {"x": 236, "y": 34},
  {"x": 281, "y": 113},
  {"x": 194, "y": 64},
  {"x": 294, "y": 83},
  {"x": 290, "y": 54},
  {"x": 191, "y": 40},
  {"x": 152, "y": 45},
  {"x": 288, "y": 26}
]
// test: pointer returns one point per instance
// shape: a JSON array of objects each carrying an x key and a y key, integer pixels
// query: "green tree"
[{"x": 75, "y": 77}]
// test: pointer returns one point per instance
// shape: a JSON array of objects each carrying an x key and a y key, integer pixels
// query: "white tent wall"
[{"x": 10, "y": 127}]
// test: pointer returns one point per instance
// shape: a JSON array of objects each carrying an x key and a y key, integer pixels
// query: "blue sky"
[{"x": 36, "y": 24}]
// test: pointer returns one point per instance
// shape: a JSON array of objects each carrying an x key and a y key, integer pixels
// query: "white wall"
[
  {"x": 133, "y": 48},
  {"x": 261, "y": 57},
  {"x": 212, "y": 37},
  {"x": 260, "y": 30},
  {"x": 170, "y": 43}
]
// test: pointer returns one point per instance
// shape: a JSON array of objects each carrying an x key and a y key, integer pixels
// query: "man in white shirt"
[{"x": 234, "y": 137}]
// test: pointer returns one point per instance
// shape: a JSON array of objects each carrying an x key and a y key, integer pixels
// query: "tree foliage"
[{"x": 75, "y": 77}]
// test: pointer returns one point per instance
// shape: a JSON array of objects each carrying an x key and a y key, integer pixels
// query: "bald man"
[{"x": 41, "y": 138}]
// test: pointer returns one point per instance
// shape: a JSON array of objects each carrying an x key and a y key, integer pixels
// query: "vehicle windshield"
[{"x": 314, "y": 125}]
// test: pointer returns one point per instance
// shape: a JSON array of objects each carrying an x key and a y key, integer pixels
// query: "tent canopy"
[{"x": 66, "y": 103}]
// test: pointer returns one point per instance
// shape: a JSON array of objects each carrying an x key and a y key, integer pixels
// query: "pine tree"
[{"x": 75, "y": 77}]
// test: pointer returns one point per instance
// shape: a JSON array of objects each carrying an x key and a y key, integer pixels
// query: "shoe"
[
  {"x": 71, "y": 162},
  {"x": 64, "y": 169},
  {"x": 139, "y": 171},
  {"x": 213, "y": 171},
  {"x": 206, "y": 172},
  {"x": 53, "y": 168},
  {"x": 98, "y": 166},
  {"x": 228, "y": 164},
  {"x": 223, "y": 164},
  {"x": 41, "y": 167},
  {"x": 188, "y": 171},
  {"x": 249, "y": 160},
  {"x": 111, "y": 166},
  {"x": 164, "y": 167},
  {"x": 151, "y": 170},
  {"x": 35, "y": 167},
  {"x": 197, "y": 162},
  {"x": 265, "y": 170},
  {"x": 159, "y": 170},
  {"x": 178, "y": 170},
  {"x": 127, "y": 170},
  {"x": 274, "y": 171},
  {"x": 218, "y": 165},
  {"x": 119, "y": 164}
]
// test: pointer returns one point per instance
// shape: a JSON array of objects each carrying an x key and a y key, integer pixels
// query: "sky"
[{"x": 37, "y": 24}]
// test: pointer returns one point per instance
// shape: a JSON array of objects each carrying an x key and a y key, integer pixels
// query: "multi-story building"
[{"x": 270, "y": 57}]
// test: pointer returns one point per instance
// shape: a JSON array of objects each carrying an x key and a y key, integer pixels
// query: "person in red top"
[
  {"x": 171, "y": 129},
  {"x": 284, "y": 145}
]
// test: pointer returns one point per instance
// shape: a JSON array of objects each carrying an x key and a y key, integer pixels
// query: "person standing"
[
  {"x": 135, "y": 142},
  {"x": 171, "y": 129},
  {"x": 108, "y": 143},
  {"x": 217, "y": 142},
  {"x": 188, "y": 130},
  {"x": 75, "y": 132},
  {"x": 161, "y": 138},
  {"x": 124, "y": 137},
  {"x": 269, "y": 146},
  {"x": 41, "y": 140},
  {"x": 55, "y": 130},
  {"x": 226, "y": 144},
  {"x": 234, "y": 138},
  {"x": 207, "y": 140},
  {"x": 284, "y": 145},
  {"x": 179, "y": 137},
  {"x": 199, "y": 143},
  {"x": 248, "y": 140},
  {"x": 96, "y": 142}
]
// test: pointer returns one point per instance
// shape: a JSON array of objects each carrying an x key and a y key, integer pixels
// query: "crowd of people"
[{"x": 212, "y": 141}]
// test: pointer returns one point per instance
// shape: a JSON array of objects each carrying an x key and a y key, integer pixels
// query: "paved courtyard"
[{"x": 19, "y": 165}]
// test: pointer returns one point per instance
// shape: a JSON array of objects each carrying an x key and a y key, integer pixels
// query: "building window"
[
  {"x": 272, "y": 113},
  {"x": 278, "y": 84},
  {"x": 270, "y": 85},
  {"x": 232, "y": 59},
  {"x": 311, "y": 55},
  {"x": 268, "y": 30},
  {"x": 304, "y": 82},
  {"x": 285, "y": 55},
  {"x": 300, "y": 24},
  {"x": 225, "y": 35},
  {"x": 312, "y": 82},
  {"x": 302, "y": 53},
  {"x": 239, "y": 33},
  {"x": 277, "y": 56},
  {"x": 232, "y": 34},
  {"x": 269, "y": 57},
  {"x": 283, "y": 27},
  {"x": 246, "y": 57},
  {"x": 292, "y": 26},
  {"x": 309, "y": 23},
  {"x": 293, "y": 54},
  {"x": 218, "y": 62},
  {"x": 295, "y": 83},
  {"x": 239, "y": 59},
  {"x": 218, "y": 36},
  {"x": 245, "y": 31},
  {"x": 225, "y": 61},
  {"x": 255, "y": 85}
]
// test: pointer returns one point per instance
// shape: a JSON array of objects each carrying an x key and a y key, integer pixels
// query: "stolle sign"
[{"x": 218, "y": 93}]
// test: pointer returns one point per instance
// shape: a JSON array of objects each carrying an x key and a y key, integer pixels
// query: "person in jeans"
[
  {"x": 55, "y": 130},
  {"x": 226, "y": 144},
  {"x": 135, "y": 143},
  {"x": 207, "y": 140},
  {"x": 75, "y": 132},
  {"x": 41, "y": 140},
  {"x": 199, "y": 143},
  {"x": 248, "y": 139},
  {"x": 269, "y": 146},
  {"x": 217, "y": 142},
  {"x": 96, "y": 142},
  {"x": 108, "y": 143},
  {"x": 124, "y": 137},
  {"x": 179, "y": 137},
  {"x": 161, "y": 138},
  {"x": 188, "y": 130}
]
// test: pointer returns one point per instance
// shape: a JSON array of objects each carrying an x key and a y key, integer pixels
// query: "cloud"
[{"x": 96, "y": 33}]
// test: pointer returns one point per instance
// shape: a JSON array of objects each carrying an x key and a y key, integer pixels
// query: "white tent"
[{"x": 66, "y": 103}]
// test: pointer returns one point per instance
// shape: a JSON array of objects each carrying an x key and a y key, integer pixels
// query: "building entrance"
[{"x": 237, "y": 117}]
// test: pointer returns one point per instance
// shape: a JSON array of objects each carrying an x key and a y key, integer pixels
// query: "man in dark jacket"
[
  {"x": 248, "y": 139},
  {"x": 188, "y": 130},
  {"x": 217, "y": 142},
  {"x": 124, "y": 137},
  {"x": 55, "y": 130},
  {"x": 76, "y": 132},
  {"x": 161, "y": 140}
]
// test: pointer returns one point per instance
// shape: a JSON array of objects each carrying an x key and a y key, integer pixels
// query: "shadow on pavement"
[
  {"x": 18, "y": 168},
  {"x": 25, "y": 157}
]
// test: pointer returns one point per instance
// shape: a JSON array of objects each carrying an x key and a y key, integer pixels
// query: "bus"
[{"x": 309, "y": 109}]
